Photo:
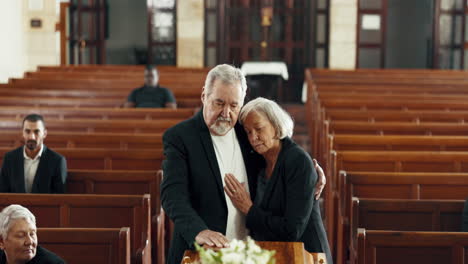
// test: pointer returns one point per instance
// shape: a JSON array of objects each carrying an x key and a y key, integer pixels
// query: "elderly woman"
[
  {"x": 18, "y": 238},
  {"x": 283, "y": 208}
]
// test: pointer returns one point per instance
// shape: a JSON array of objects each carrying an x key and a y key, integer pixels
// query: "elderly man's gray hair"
[
  {"x": 11, "y": 213},
  {"x": 228, "y": 75},
  {"x": 278, "y": 117}
]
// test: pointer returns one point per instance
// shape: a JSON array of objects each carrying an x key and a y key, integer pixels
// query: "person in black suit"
[
  {"x": 284, "y": 208},
  {"x": 18, "y": 238},
  {"x": 199, "y": 153},
  {"x": 33, "y": 168}
]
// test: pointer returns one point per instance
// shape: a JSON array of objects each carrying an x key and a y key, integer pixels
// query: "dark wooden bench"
[
  {"x": 397, "y": 115},
  {"x": 88, "y": 245},
  {"x": 392, "y": 80},
  {"x": 101, "y": 84},
  {"x": 126, "y": 182},
  {"x": 391, "y": 93},
  {"x": 64, "y": 113},
  {"x": 403, "y": 215},
  {"x": 106, "y": 140},
  {"x": 109, "y": 159},
  {"x": 89, "y": 211},
  {"x": 421, "y": 96},
  {"x": 181, "y": 93},
  {"x": 94, "y": 125},
  {"x": 395, "y": 73},
  {"x": 397, "y": 185},
  {"x": 397, "y": 128},
  {"x": 409, "y": 247},
  {"x": 80, "y": 102},
  {"x": 341, "y": 142},
  {"x": 119, "y": 68},
  {"x": 383, "y": 161}
]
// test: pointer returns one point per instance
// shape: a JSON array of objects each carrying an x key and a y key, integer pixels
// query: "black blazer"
[
  {"x": 192, "y": 192},
  {"x": 288, "y": 210},
  {"x": 43, "y": 256},
  {"x": 50, "y": 176}
]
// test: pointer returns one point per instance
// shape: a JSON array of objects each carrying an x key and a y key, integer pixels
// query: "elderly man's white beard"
[{"x": 221, "y": 126}]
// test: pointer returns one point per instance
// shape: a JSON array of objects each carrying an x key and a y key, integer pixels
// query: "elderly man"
[
  {"x": 33, "y": 168},
  {"x": 18, "y": 238},
  {"x": 199, "y": 153},
  {"x": 151, "y": 94}
]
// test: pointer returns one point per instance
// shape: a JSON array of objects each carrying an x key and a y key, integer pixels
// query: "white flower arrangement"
[{"x": 239, "y": 252}]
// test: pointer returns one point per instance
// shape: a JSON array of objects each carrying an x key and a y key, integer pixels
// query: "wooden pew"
[
  {"x": 396, "y": 73},
  {"x": 353, "y": 103},
  {"x": 403, "y": 215},
  {"x": 109, "y": 159},
  {"x": 398, "y": 185},
  {"x": 88, "y": 245},
  {"x": 397, "y": 128},
  {"x": 391, "y": 161},
  {"x": 324, "y": 96},
  {"x": 391, "y": 80},
  {"x": 405, "y": 185},
  {"x": 79, "y": 102},
  {"x": 100, "y": 84},
  {"x": 324, "y": 100},
  {"x": 78, "y": 140},
  {"x": 180, "y": 94},
  {"x": 126, "y": 182},
  {"x": 88, "y": 211},
  {"x": 138, "y": 76},
  {"x": 403, "y": 161},
  {"x": 130, "y": 182},
  {"x": 119, "y": 68},
  {"x": 64, "y": 113},
  {"x": 394, "y": 88},
  {"x": 405, "y": 247},
  {"x": 371, "y": 127},
  {"x": 397, "y": 115},
  {"x": 92, "y": 126},
  {"x": 342, "y": 142},
  {"x": 336, "y": 206}
]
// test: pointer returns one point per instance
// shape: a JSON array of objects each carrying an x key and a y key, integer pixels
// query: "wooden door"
[
  {"x": 87, "y": 31},
  {"x": 371, "y": 20},
  {"x": 265, "y": 30}
]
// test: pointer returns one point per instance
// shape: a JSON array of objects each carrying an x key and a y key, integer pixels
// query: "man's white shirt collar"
[{"x": 39, "y": 154}]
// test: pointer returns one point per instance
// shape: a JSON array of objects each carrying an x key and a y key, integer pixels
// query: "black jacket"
[
  {"x": 192, "y": 191},
  {"x": 288, "y": 210},
  {"x": 43, "y": 256},
  {"x": 50, "y": 176}
]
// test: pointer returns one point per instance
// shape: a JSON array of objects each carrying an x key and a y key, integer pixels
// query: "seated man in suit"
[
  {"x": 151, "y": 94},
  {"x": 33, "y": 168}
]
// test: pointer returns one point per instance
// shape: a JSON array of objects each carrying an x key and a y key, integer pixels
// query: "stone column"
[
  {"x": 12, "y": 58},
  {"x": 190, "y": 33},
  {"x": 42, "y": 46},
  {"x": 343, "y": 21}
]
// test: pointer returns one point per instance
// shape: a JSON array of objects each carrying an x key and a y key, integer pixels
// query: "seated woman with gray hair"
[
  {"x": 18, "y": 238},
  {"x": 283, "y": 207}
]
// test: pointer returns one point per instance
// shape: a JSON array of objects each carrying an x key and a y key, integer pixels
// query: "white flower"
[{"x": 239, "y": 252}]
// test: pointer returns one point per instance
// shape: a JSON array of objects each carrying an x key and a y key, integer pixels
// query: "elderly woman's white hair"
[
  {"x": 278, "y": 117},
  {"x": 11, "y": 213},
  {"x": 227, "y": 74}
]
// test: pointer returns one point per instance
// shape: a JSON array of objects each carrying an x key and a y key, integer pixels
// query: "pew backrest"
[
  {"x": 88, "y": 245},
  {"x": 92, "y": 211}
]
